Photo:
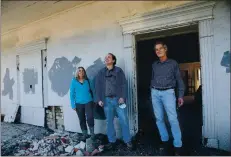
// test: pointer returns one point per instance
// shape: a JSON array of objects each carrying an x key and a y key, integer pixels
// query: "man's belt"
[{"x": 163, "y": 88}]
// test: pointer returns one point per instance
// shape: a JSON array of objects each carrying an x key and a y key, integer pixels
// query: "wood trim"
[
  {"x": 180, "y": 16},
  {"x": 206, "y": 36},
  {"x": 32, "y": 46}
]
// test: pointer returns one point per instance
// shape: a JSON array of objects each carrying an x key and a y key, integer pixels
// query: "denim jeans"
[
  {"x": 110, "y": 107},
  {"x": 166, "y": 100}
]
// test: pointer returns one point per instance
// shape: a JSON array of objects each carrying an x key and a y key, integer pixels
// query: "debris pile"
[
  {"x": 58, "y": 144},
  {"x": 29, "y": 140}
]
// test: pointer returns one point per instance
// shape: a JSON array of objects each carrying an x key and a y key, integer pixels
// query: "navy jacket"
[{"x": 121, "y": 84}]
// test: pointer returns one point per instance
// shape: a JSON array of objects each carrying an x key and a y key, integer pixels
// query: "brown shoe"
[
  {"x": 129, "y": 145},
  {"x": 163, "y": 149},
  {"x": 177, "y": 151}
]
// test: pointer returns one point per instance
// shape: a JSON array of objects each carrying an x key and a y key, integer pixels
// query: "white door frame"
[{"x": 196, "y": 12}]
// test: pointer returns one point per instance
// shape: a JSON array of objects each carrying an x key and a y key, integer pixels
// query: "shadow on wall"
[
  {"x": 61, "y": 74},
  {"x": 225, "y": 61},
  {"x": 8, "y": 84},
  {"x": 30, "y": 79},
  {"x": 93, "y": 70}
]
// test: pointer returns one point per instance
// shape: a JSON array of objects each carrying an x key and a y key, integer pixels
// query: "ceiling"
[{"x": 15, "y": 14}]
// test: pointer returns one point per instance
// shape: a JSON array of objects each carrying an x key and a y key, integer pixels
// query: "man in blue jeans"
[
  {"x": 165, "y": 78},
  {"x": 110, "y": 88}
]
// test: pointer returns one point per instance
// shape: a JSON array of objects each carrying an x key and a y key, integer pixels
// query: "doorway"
[{"x": 183, "y": 46}]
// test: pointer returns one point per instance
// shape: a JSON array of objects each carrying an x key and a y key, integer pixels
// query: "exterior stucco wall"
[
  {"x": 221, "y": 88},
  {"x": 93, "y": 17},
  {"x": 80, "y": 36}
]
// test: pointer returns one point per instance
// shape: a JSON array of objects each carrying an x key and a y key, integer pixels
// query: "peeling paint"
[
  {"x": 8, "y": 85},
  {"x": 225, "y": 61},
  {"x": 30, "y": 79},
  {"x": 61, "y": 74}
]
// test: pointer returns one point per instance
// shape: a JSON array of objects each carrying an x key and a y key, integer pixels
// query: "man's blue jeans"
[
  {"x": 166, "y": 100},
  {"x": 111, "y": 106}
]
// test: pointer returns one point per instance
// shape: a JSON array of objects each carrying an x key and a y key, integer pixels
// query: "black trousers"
[{"x": 84, "y": 110}]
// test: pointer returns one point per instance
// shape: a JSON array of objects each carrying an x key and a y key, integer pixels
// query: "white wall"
[
  {"x": 90, "y": 36},
  {"x": 8, "y": 92},
  {"x": 86, "y": 35},
  {"x": 88, "y": 47},
  {"x": 222, "y": 78}
]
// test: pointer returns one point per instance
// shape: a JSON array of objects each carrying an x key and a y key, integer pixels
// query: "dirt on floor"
[{"x": 25, "y": 140}]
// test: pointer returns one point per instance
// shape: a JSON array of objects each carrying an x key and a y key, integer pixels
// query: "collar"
[
  {"x": 167, "y": 60},
  {"x": 110, "y": 69},
  {"x": 80, "y": 82}
]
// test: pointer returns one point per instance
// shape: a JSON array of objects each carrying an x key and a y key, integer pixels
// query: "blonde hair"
[{"x": 77, "y": 73}]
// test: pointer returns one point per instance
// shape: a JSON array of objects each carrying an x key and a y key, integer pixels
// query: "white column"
[
  {"x": 130, "y": 73},
  {"x": 209, "y": 109}
]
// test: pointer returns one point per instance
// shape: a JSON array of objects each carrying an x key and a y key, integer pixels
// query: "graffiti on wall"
[
  {"x": 61, "y": 74},
  {"x": 30, "y": 79},
  {"x": 225, "y": 61},
  {"x": 8, "y": 85}
]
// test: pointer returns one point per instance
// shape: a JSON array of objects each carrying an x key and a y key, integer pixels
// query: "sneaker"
[
  {"x": 177, "y": 151},
  {"x": 129, "y": 145},
  {"x": 163, "y": 149}
]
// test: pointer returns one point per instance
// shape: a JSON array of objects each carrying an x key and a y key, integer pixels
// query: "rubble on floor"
[
  {"x": 59, "y": 143},
  {"x": 28, "y": 140},
  {"x": 54, "y": 145}
]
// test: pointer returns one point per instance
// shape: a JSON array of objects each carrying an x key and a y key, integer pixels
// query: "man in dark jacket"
[{"x": 110, "y": 87}]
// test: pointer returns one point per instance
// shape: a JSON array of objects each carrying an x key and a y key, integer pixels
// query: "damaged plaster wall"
[
  {"x": 99, "y": 34},
  {"x": 31, "y": 99},
  {"x": 64, "y": 57},
  {"x": 63, "y": 71},
  {"x": 8, "y": 81},
  {"x": 30, "y": 79},
  {"x": 8, "y": 84},
  {"x": 222, "y": 75}
]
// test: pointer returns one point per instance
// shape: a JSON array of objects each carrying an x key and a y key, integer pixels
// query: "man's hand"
[
  {"x": 121, "y": 101},
  {"x": 180, "y": 102},
  {"x": 100, "y": 103}
]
